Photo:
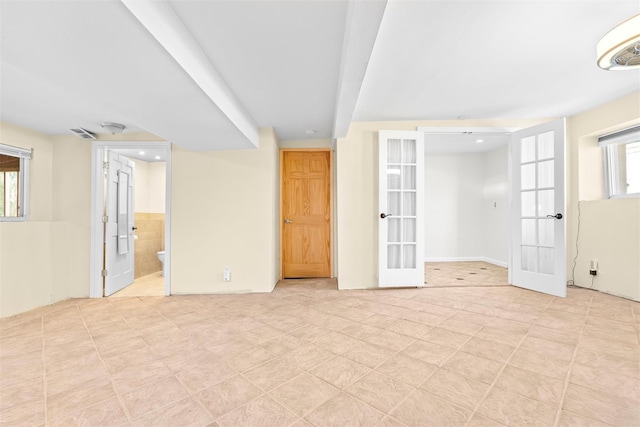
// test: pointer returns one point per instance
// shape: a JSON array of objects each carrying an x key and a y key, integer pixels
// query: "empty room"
[{"x": 320, "y": 213}]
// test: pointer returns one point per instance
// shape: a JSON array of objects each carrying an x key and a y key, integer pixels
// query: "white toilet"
[{"x": 161, "y": 258}]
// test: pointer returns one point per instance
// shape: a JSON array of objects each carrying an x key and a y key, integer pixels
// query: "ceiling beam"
[
  {"x": 165, "y": 26},
  {"x": 361, "y": 31}
]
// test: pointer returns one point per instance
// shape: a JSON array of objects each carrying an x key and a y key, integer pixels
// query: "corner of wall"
[{"x": 606, "y": 230}]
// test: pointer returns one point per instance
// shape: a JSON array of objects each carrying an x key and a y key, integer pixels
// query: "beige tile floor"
[
  {"x": 471, "y": 273},
  {"x": 151, "y": 285},
  {"x": 308, "y": 354}
]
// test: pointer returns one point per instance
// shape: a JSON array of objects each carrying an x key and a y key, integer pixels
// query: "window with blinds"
[
  {"x": 621, "y": 154},
  {"x": 14, "y": 177}
]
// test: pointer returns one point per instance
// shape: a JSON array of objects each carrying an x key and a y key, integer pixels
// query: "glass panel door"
[
  {"x": 538, "y": 247},
  {"x": 401, "y": 205}
]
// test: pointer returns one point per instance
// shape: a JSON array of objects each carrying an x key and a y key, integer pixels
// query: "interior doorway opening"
[
  {"x": 147, "y": 228},
  {"x": 467, "y": 235}
]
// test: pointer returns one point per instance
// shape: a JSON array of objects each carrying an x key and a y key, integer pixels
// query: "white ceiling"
[
  {"x": 464, "y": 143},
  {"x": 492, "y": 59},
  {"x": 151, "y": 155},
  {"x": 301, "y": 64}
]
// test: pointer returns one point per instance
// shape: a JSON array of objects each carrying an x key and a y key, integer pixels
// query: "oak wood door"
[{"x": 306, "y": 214}]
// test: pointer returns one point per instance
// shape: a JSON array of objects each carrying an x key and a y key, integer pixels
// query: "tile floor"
[
  {"x": 309, "y": 355},
  {"x": 471, "y": 273},
  {"x": 151, "y": 285}
]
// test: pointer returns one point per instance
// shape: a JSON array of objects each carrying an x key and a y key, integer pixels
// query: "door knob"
[
  {"x": 287, "y": 221},
  {"x": 384, "y": 215},
  {"x": 556, "y": 216}
]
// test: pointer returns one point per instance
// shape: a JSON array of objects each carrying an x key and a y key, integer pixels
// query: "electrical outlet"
[
  {"x": 593, "y": 268},
  {"x": 226, "y": 275}
]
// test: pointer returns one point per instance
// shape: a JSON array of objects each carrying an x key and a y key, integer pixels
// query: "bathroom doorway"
[{"x": 148, "y": 228}]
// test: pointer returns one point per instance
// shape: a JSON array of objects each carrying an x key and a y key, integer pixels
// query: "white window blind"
[
  {"x": 9, "y": 150},
  {"x": 621, "y": 137}
]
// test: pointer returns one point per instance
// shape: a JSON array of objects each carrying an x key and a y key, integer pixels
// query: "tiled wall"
[{"x": 150, "y": 234}]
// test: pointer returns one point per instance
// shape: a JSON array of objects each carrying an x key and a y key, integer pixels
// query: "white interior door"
[
  {"x": 538, "y": 208},
  {"x": 401, "y": 209},
  {"x": 119, "y": 227}
]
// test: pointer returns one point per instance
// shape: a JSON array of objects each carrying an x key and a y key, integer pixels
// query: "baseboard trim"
[{"x": 462, "y": 259}]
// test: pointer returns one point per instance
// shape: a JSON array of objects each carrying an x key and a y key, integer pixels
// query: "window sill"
[
  {"x": 13, "y": 219},
  {"x": 625, "y": 196}
]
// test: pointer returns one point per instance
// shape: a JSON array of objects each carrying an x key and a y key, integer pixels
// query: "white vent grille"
[{"x": 83, "y": 133}]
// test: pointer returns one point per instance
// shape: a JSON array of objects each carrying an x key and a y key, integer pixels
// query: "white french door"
[
  {"x": 538, "y": 208},
  {"x": 401, "y": 209},
  {"x": 119, "y": 227}
]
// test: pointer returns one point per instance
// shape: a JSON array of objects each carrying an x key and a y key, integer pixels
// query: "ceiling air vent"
[{"x": 83, "y": 133}]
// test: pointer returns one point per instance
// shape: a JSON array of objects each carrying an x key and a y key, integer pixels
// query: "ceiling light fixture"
[
  {"x": 157, "y": 157},
  {"x": 619, "y": 49},
  {"x": 112, "y": 128},
  {"x": 310, "y": 131},
  {"x": 141, "y": 153},
  {"x": 479, "y": 140}
]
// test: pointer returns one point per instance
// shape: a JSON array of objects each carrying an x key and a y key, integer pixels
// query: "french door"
[
  {"x": 401, "y": 209},
  {"x": 538, "y": 245}
]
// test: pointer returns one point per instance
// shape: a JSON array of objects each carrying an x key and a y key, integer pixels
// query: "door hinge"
[
  {"x": 104, "y": 273},
  {"x": 105, "y": 165},
  {"x": 105, "y": 218}
]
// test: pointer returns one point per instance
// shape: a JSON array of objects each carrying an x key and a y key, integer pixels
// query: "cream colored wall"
[
  {"x": 609, "y": 229},
  {"x": 46, "y": 258},
  {"x": 308, "y": 143},
  {"x": 357, "y": 194},
  {"x": 26, "y": 261},
  {"x": 225, "y": 213}
]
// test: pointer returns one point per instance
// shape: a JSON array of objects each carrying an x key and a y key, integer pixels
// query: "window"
[
  {"x": 621, "y": 153},
  {"x": 14, "y": 177}
]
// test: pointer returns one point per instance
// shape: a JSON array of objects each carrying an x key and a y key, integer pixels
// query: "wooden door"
[{"x": 306, "y": 213}]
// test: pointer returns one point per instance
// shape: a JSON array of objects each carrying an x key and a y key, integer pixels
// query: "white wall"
[
  {"x": 157, "y": 187},
  {"x": 141, "y": 185},
  {"x": 453, "y": 206},
  {"x": 466, "y": 206},
  {"x": 496, "y": 206},
  {"x": 150, "y": 186}
]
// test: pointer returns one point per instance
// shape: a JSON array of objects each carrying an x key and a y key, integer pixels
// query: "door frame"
[
  {"x": 507, "y": 130},
  {"x": 97, "y": 208},
  {"x": 331, "y": 205}
]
